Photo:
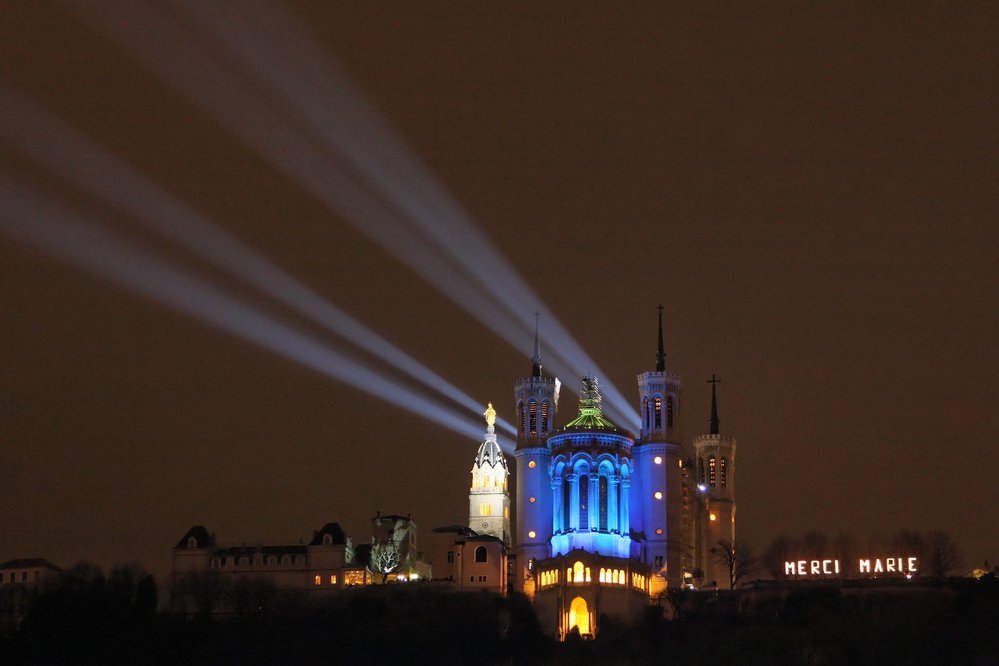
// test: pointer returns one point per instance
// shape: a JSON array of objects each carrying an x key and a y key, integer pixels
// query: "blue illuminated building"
[{"x": 605, "y": 520}]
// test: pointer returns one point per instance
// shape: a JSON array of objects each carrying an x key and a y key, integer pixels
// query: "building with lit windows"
[
  {"x": 605, "y": 520},
  {"x": 469, "y": 561},
  {"x": 207, "y": 577}
]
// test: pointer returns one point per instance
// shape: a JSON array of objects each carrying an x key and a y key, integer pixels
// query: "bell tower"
[
  {"x": 658, "y": 495},
  {"x": 489, "y": 496},
  {"x": 536, "y": 400},
  {"x": 714, "y": 515}
]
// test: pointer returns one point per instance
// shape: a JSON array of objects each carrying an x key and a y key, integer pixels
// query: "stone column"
[{"x": 613, "y": 522}]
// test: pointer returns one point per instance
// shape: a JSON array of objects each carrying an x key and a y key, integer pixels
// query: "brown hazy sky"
[{"x": 810, "y": 189}]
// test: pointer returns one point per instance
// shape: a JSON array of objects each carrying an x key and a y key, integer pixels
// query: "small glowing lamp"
[
  {"x": 658, "y": 460},
  {"x": 533, "y": 500},
  {"x": 532, "y": 534},
  {"x": 532, "y": 464},
  {"x": 702, "y": 487},
  {"x": 713, "y": 517},
  {"x": 659, "y": 530},
  {"x": 658, "y": 495}
]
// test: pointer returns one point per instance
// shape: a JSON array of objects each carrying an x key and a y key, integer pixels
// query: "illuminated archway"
[{"x": 579, "y": 616}]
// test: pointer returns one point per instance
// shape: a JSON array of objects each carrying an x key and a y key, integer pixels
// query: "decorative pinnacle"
[
  {"x": 660, "y": 354},
  {"x": 536, "y": 361},
  {"x": 714, "y": 405},
  {"x": 490, "y": 415},
  {"x": 589, "y": 397}
]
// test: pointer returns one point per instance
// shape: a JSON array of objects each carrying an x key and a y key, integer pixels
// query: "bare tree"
[
  {"x": 385, "y": 558},
  {"x": 780, "y": 551},
  {"x": 942, "y": 553},
  {"x": 739, "y": 561}
]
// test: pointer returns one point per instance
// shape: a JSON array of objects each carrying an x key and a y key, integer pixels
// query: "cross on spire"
[{"x": 714, "y": 405}]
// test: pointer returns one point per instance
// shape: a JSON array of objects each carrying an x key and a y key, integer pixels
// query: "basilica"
[{"x": 605, "y": 520}]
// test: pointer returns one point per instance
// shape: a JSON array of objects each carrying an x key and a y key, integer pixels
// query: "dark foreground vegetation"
[{"x": 86, "y": 618}]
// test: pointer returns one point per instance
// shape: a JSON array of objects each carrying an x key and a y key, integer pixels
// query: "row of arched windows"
[
  {"x": 654, "y": 412},
  {"x": 529, "y": 422},
  {"x": 579, "y": 573},
  {"x": 595, "y": 513},
  {"x": 717, "y": 471},
  {"x": 258, "y": 561}
]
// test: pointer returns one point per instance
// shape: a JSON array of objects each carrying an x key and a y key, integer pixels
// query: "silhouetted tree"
[
  {"x": 942, "y": 554},
  {"x": 738, "y": 559},
  {"x": 781, "y": 550}
]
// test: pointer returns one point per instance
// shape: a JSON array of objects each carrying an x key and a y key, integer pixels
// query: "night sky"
[{"x": 809, "y": 189}]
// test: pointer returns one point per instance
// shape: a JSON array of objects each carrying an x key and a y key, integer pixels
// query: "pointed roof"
[
  {"x": 660, "y": 354},
  {"x": 200, "y": 535},
  {"x": 490, "y": 452},
  {"x": 714, "y": 406},
  {"x": 536, "y": 359},
  {"x": 334, "y": 530},
  {"x": 590, "y": 413}
]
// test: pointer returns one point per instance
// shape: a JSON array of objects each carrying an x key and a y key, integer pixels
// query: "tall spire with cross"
[
  {"x": 714, "y": 405},
  {"x": 660, "y": 354}
]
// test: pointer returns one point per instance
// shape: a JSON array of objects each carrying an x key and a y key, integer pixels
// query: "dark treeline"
[{"x": 84, "y": 617}]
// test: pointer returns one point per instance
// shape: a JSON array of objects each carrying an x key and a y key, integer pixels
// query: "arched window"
[
  {"x": 724, "y": 472},
  {"x": 192, "y": 542},
  {"x": 532, "y": 409},
  {"x": 578, "y": 573},
  {"x": 603, "y": 503},
  {"x": 327, "y": 539},
  {"x": 669, "y": 411},
  {"x": 658, "y": 411},
  {"x": 480, "y": 554},
  {"x": 520, "y": 415},
  {"x": 579, "y": 616},
  {"x": 544, "y": 417},
  {"x": 584, "y": 500},
  {"x": 700, "y": 469},
  {"x": 712, "y": 473}
]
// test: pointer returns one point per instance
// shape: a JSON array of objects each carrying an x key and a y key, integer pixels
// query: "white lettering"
[
  {"x": 815, "y": 566},
  {"x": 912, "y": 564},
  {"x": 865, "y": 566},
  {"x": 825, "y": 566},
  {"x": 789, "y": 568},
  {"x": 802, "y": 571},
  {"x": 878, "y": 568},
  {"x": 837, "y": 565},
  {"x": 890, "y": 564}
]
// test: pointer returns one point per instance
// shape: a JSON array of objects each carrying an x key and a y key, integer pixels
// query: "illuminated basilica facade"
[{"x": 605, "y": 520}]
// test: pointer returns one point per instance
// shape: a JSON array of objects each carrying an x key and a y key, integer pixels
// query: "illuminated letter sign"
[{"x": 831, "y": 567}]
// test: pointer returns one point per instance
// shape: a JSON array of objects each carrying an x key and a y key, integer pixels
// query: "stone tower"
[
  {"x": 536, "y": 399},
  {"x": 658, "y": 494},
  {"x": 489, "y": 496},
  {"x": 714, "y": 512}
]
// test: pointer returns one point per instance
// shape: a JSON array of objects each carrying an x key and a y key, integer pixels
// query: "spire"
[
  {"x": 536, "y": 361},
  {"x": 660, "y": 354},
  {"x": 714, "y": 405}
]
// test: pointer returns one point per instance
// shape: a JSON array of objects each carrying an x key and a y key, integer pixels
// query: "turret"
[
  {"x": 714, "y": 473},
  {"x": 536, "y": 399},
  {"x": 657, "y": 497},
  {"x": 489, "y": 496}
]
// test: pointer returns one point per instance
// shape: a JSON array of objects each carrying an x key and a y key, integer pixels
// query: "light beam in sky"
[
  {"x": 257, "y": 71},
  {"x": 41, "y": 222},
  {"x": 56, "y": 146}
]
